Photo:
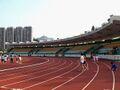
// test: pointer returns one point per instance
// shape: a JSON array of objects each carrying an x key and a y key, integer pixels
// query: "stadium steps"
[
  {"x": 59, "y": 51},
  {"x": 72, "y": 52},
  {"x": 62, "y": 51},
  {"x": 96, "y": 48},
  {"x": 104, "y": 51},
  {"x": 33, "y": 51},
  {"x": 10, "y": 50},
  {"x": 36, "y": 51},
  {"x": 93, "y": 49}
]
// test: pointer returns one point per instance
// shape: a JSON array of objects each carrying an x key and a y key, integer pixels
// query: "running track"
[{"x": 37, "y": 73}]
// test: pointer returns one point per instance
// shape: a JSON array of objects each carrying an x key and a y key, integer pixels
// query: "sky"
[{"x": 57, "y": 18}]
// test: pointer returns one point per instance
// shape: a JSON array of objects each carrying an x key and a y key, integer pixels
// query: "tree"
[
  {"x": 93, "y": 28},
  {"x": 34, "y": 39}
]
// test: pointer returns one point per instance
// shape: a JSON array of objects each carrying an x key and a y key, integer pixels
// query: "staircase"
[{"x": 93, "y": 49}]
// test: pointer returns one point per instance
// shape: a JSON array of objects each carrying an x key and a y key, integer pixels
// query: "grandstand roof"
[{"x": 107, "y": 31}]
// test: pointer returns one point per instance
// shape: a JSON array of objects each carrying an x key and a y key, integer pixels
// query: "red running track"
[{"x": 37, "y": 73}]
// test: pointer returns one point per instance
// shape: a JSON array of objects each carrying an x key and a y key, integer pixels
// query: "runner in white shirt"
[
  {"x": 83, "y": 62},
  {"x": 20, "y": 59}
]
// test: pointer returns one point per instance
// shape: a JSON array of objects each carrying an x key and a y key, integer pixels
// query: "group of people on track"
[
  {"x": 94, "y": 58},
  {"x": 11, "y": 58},
  {"x": 83, "y": 61}
]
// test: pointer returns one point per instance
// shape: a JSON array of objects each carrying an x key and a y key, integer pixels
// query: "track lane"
[
  {"x": 113, "y": 77},
  {"x": 117, "y": 76},
  {"x": 72, "y": 77},
  {"x": 103, "y": 80},
  {"x": 68, "y": 70},
  {"x": 55, "y": 79},
  {"x": 81, "y": 80},
  {"x": 27, "y": 73},
  {"x": 36, "y": 76},
  {"x": 15, "y": 72},
  {"x": 26, "y": 62}
]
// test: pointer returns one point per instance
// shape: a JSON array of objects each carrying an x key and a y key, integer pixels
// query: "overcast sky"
[{"x": 57, "y": 18}]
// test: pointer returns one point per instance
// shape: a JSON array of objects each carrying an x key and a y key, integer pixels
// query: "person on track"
[
  {"x": 20, "y": 59},
  {"x": 11, "y": 59},
  {"x": 17, "y": 58},
  {"x": 83, "y": 62},
  {"x": 95, "y": 58},
  {"x": 113, "y": 66},
  {"x": 2, "y": 59}
]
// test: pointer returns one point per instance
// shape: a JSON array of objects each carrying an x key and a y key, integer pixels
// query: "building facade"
[
  {"x": 18, "y": 34},
  {"x": 15, "y": 35},
  {"x": 27, "y": 34},
  {"x": 2, "y": 38},
  {"x": 9, "y": 35}
]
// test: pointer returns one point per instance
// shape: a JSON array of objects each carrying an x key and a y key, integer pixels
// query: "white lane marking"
[
  {"x": 21, "y": 73},
  {"x": 14, "y": 73},
  {"x": 50, "y": 78},
  {"x": 70, "y": 79},
  {"x": 23, "y": 66},
  {"x": 32, "y": 73},
  {"x": 23, "y": 76},
  {"x": 13, "y": 78},
  {"x": 92, "y": 78},
  {"x": 9, "y": 88},
  {"x": 36, "y": 77},
  {"x": 113, "y": 76}
]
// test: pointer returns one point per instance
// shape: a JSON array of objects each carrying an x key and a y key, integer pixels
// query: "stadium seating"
[{"x": 106, "y": 48}]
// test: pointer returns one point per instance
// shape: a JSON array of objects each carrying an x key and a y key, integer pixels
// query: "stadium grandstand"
[
  {"x": 104, "y": 41},
  {"x": 57, "y": 65}
]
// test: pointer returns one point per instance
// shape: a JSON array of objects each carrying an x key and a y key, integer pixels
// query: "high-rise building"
[
  {"x": 18, "y": 34},
  {"x": 9, "y": 35},
  {"x": 27, "y": 34},
  {"x": 2, "y": 38}
]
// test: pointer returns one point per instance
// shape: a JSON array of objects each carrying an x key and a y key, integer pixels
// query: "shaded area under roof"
[{"x": 108, "y": 31}]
